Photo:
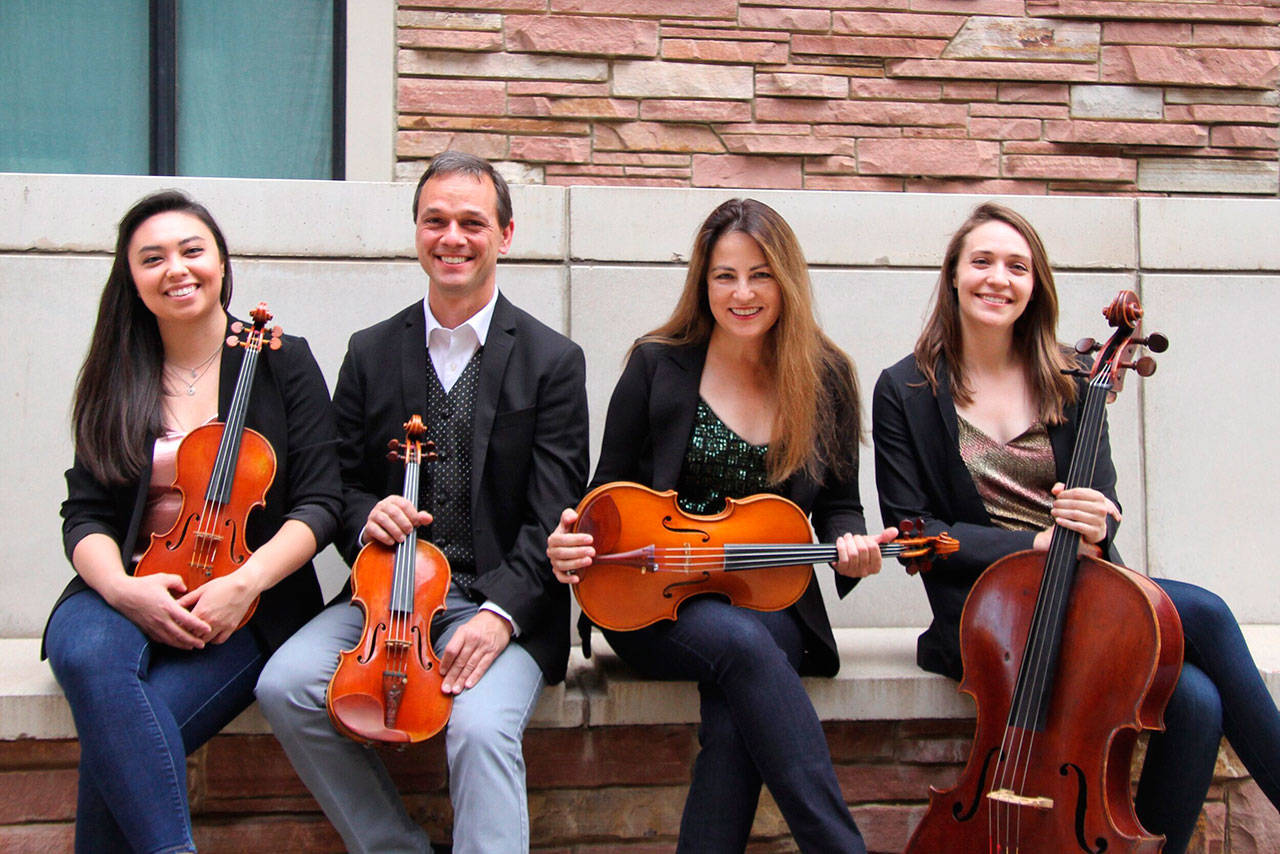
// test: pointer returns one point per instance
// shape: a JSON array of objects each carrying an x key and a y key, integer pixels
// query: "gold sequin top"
[
  {"x": 1015, "y": 479},
  {"x": 718, "y": 464}
]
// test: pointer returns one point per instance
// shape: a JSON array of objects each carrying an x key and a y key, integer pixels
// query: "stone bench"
[{"x": 608, "y": 756}]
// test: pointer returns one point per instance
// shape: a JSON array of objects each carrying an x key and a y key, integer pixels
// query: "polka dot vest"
[{"x": 447, "y": 490}]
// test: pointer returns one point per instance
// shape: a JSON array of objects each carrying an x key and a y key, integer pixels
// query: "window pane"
[
  {"x": 74, "y": 86},
  {"x": 255, "y": 88}
]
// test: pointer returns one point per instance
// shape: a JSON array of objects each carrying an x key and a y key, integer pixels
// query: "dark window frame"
[{"x": 164, "y": 89}]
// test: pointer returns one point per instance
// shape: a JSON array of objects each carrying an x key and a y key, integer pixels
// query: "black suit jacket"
[
  {"x": 528, "y": 456},
  {"x": 919, "y": 473},
  {"x": 289, "y": 405},
  {"x": 646, "y": 434}
]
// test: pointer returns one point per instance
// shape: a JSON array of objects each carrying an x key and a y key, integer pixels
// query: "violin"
[
  {"x": 387, "y": 687},
  {"x": 651, "y": 555},
  {"x": 223, "y": 470},
  {"x": 1068, "y": 658}
]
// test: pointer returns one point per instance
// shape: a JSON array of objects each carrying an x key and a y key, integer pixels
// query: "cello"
[
  {"x": 651, "y": 555},
  {"x": 222, "y": 470},
  {"x": 1058, "y": 710},
  {"x": 387, "y": 687}
]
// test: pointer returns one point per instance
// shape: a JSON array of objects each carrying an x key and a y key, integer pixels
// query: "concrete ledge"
[{"x": 878, "y": 682}]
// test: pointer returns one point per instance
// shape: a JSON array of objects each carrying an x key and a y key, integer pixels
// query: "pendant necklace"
[{"x": 178, "y": 372}]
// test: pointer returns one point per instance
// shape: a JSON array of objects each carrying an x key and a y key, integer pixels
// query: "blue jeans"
[
  {"x": 1219, "y": 693},
  {"x": 758, "y": 725},
  {"x": 140, "y": 707}
]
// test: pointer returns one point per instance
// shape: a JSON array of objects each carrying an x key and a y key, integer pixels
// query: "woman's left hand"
[
  {"x": 859, "y": 554},
  {"x": 1083, "y": 510},
  {"x": 222, "y": 602}
]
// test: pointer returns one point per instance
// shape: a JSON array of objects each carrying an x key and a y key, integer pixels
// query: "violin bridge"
[{"x": 1005, "y": 796}]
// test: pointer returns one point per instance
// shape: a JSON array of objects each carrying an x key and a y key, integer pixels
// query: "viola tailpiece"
[{"x": 1059, "y": 711}]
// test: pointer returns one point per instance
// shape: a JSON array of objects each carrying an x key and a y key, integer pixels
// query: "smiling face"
[
  {"x": 994, "y": 278},
  {"x": 176, "y": 267},
  {"x": 744, "y": 296},
  {"x": 458, "y": 237}
]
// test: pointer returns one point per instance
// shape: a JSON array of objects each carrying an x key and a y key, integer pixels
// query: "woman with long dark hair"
[
  {"x": 150, "y": 668},
  {"x": 740, "y": 392},
  {"x": 973, "y": 434}
]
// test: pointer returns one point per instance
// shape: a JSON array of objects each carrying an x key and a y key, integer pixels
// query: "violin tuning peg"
[
  {"x": 1156, "y": 343},
  {"x": 275, "y": 344},
  {"x": 393, "y": 456},
  {"x": 237, "y": 327},
  {"x": 232, "y": 340},
  {"x": 1086, "y": 346},
  {"x": 394, "y": 444}
]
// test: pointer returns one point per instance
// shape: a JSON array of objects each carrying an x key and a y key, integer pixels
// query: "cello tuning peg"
[
  {"x": 1156, "y": 343},
  {"x": 1144, "y": 367},
  {"x": 1086, "y": 346}
]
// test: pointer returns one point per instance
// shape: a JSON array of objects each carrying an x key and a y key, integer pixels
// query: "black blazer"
[
  {"x": 289, "y": 405},
  {"x": 645, "y": 436},
  {"x": 919, "y": 473},
  {"x": 528, "y": 456}
]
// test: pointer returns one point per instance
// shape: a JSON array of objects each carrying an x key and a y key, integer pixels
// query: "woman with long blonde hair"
[{"x": 740, "y": 392}]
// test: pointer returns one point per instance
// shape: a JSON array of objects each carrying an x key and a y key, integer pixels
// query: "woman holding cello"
[
  {"x": 740, "y": 392},
  {"x": 973, "y": 432},
  {"x": 151, "y": 668}
]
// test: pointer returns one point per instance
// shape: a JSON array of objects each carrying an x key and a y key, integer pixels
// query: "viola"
[
  {"x": 1068, "y": 658},
  {"x": 222, "y": 470},
  {"x": 651, "y": 555},
  {"x": 387, "y": 687}
]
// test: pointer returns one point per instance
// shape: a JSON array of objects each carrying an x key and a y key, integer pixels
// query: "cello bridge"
[{"x": 1005, "y": 796}]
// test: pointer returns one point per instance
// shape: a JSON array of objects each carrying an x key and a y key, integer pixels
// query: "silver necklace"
[{"x": 178, "y": 371}]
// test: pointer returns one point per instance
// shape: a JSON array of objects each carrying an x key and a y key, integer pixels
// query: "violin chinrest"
[{"x": 363, "y": 715}]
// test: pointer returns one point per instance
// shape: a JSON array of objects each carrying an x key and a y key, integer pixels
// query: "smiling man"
[{"x": 504, "y": 401}]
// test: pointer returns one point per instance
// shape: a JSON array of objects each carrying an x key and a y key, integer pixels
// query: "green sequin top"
[{"x": 718, "y": 464}]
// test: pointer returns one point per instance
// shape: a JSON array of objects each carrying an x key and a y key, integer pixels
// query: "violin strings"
[{"x": 731, "y": 557}]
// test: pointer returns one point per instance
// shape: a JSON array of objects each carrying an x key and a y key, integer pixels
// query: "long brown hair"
[
  {"x": 1034, "y": 333},
  {"x": 117, "y": 398},
  {"x": 818, "y": 422}
]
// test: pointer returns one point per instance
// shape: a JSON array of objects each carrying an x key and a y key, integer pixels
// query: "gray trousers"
[{"x": 482, "y": 742}]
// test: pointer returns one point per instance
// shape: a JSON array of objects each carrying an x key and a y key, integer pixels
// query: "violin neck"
[
  {"x": 404, "y": 575},
  {"x": 1030, "y": 705},
  {"x": 224, "y": 464}
]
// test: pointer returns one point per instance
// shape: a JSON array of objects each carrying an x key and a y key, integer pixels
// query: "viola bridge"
[{"x": 1005, "y": 796}]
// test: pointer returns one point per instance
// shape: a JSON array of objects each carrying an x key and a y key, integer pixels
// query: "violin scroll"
[
  {"x": 413, "y": 448},
  {"x": 918, "y": 550},
  {"x": 258, "y": 335}
]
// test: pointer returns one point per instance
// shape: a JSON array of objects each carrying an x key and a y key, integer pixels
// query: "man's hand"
[{"x": 471, "y": 650}]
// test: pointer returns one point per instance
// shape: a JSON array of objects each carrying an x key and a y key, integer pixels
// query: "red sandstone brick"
[
  {"x": 579, "y": 169},
  {"x": 417, "y": 143},
  {"x": 663, "y": 109},
  {"x": 695, "y": 31},
  {"x": 765, "y": 127},
  {"x": 977, "y": 187},
  {"x": 1234, "y": 136},
  {"x": 703, "y": 9},
  {"x": 37, "y": 838},
  {"x": 870, "y": 23},
  {"x": 449, "y": 39},
  {"x": 489, "y": 123},
  {"x": 773, "y": 144},
  {"x": 733, "y": 170},
  {"x": 833, "y": 164},
  {"x": 277, "y": 833},
  {"x": 863, "y": 783},
  {"x": 977, "y": 70},
  {"x": 656, "y": 136},
  {"x": 1005, "y": 8},
  {"x": 1126, "y": 133},
  {"x": 1074, "y": 168},
  {"x": 969, "y": 91},
  {"x": 887, "y": 828},
  {"x": 578, "y": 108},
  {"x": 45, "y": 795},
  {"x": 657, "y": 172},
  {"x": 1146, "y": 32},
  {"x": 1035, "y": 93},
  {"x": 852, "y": 182},
  {"x": 1025, "y": 111},
  {"x": 607, "y": 756},
  {"x": 1190, "y": 66},
  {"x": 1235, "y": 35},
  {"x": 36, "y": 754},
  {"x": 1147, "y": 9},
  {"x": 557, "y": 87},
  {"x": 1002, "y": 129},
  {"x": 492, "y": 5},
  {"x": 551, "y": 148},
  {"x": 860, "y": 112},
  {"x": 858, "y": 131},
  {"x": 895, "y": 90},
  {"x": 839, "y": 4},
  {"x": 708, "y": 50},
  {"x": 785, "y": 20},
  {"x": 464, "y": 97},
  {"x": 1236, "y": 114},
  {"x": 622, "y": 181},
  {"x": 568, "y": 34},
  {"x": 641, "y": 159},
  {"x": 876, "y": 46},
  {"x": 786, "y": 85}
]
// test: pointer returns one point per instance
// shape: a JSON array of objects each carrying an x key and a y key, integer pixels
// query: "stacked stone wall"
[{"x": 982, "y": 96}]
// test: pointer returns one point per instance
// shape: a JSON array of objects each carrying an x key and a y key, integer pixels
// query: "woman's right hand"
[
  {"x": 150, "y": 601},
  {"x": 569, "y": 552}
]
